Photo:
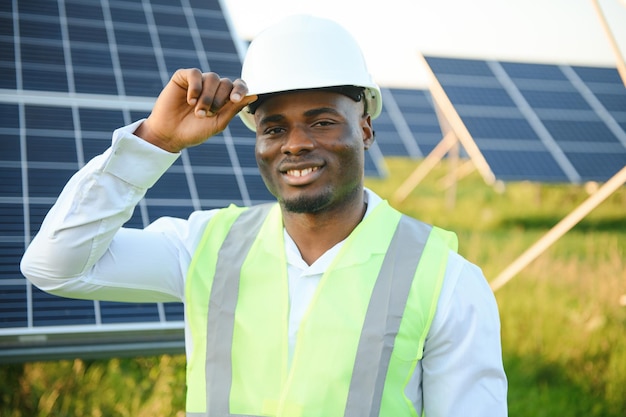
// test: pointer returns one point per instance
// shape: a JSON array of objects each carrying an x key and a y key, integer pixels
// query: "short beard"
[{"x": 307, "y": 204}]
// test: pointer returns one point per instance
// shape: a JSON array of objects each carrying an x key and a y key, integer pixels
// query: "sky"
[{"x": 393, "y": 32}]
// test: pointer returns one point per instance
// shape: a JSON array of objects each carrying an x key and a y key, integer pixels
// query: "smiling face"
[{"x": 310, "y": 149}]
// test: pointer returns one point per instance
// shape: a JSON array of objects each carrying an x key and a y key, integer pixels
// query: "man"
[{"x": 328, "y": 303}]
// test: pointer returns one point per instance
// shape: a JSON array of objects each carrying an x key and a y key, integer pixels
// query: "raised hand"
[{"x": 192, "y": 107}]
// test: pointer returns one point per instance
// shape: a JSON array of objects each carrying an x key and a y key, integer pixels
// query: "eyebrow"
[{"x": 274, "y": 118}]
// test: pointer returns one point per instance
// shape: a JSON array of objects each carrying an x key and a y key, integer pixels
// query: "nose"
[{"x": 298, "y": 140}]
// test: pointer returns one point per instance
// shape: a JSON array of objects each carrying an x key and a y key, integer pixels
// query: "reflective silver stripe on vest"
[
  {"x": 389, "y": 295},
  {"x": 222, "y": 304}
]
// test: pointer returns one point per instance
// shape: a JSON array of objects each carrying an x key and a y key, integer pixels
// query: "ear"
[{"x": 368, "y": 131}]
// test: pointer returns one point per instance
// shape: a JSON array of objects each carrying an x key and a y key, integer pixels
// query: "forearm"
[{"x": 93, "y": 206}]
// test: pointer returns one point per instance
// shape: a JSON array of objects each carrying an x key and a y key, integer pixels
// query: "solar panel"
[
  {"x": 541, "y": 122},
  {"x": 72, "y": 71}
]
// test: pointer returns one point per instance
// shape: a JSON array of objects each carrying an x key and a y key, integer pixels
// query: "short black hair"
[{"x": 355, "y": 93}]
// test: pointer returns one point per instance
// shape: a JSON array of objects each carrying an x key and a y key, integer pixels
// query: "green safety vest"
[{"x": 358, "y": 343}]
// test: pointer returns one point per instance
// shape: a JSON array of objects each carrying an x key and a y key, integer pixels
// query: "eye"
[
  {"x": 273, "y": 131},
  {"x": 324, "y": 123}
]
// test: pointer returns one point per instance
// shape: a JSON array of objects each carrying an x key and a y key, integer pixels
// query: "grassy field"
[{"x": 563, "y": 317}]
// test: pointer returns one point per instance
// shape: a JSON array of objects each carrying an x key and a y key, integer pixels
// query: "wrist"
[{"x": 144, "y": 132}]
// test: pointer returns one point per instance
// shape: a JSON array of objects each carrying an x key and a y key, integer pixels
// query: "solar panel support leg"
[
  {"x": 560, "y": 229},
  {"x": 619, "y": 58},
  {"x": 424, "y": 168}
]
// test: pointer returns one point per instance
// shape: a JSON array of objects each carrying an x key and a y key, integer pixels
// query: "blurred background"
[{"x": 502, "y": 121}]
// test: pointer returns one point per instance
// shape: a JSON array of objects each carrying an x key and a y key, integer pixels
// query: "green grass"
[{"x": 563, "y": 318}]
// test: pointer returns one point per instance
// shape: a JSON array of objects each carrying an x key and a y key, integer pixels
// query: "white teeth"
[{"x": 301, "y": 172}]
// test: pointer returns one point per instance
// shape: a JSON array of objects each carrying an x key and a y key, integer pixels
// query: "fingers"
[
  {"x": 215, "y": 94},
  {"x": 208, "y": 92}
]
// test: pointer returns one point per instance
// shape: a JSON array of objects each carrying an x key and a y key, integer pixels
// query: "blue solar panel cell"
[
  {"x": 135, "y": 221},
  {"x": 156, "y": 211},
  {"x": 96, "y": 82},
  {"x": 598, "y": 75},
  {"x": 43, "y": 79},
  {"x": 143, "y": 84},
  {"x": 420, "y": 125},
  {"x": 170, "y": 3},
  {"x": 211, "y": 23},
  {"x": 111, "y": 312},
  {"x": 412, "y": 100},
  {"x": 100, "y": 120},
  {"x": 138, "y": 115},
  {"x": 481, "y": 96},
  {"x": 239, "y": 130},
  {"x": 524, "y": 165},
  {"x": 180, "y": 59},
  {"x": 245, "y": 153},
  {"x": 10, "y": 255},
  {"x": 555, "y": 100},
  {"x": 392, "y": 148},
  {"x": 40, "y": 148},
  {"x": 7, "y": 52},
  {"x": 173, "y": 18},
  {"x": 6, "y": 25},
  {"x": 86, "y": 10},
  {"x": 138, "y": 59},
  {"x": 10, "y": 182},
  {"x": 594, "y": 166},
  {"x": 13, "y": 307},
  {"x": 218, "y": 187},
  {"x": 533, "y": 71},
  {"x": 227, "y": 67},
  {"x": 175, "y": 60},
  {"x": 171, "y": 185},
  {"x": 218, "y": 44},
  {"x": 135, "y": 36},
  {"x": 11, "y": 223},
  {"x": 459, "y": 66},
  {"x": 614, "y": 102},
  {"x": 36, "y": 214},
  {"x": 580, "y": 131},
  {"x": 82, "y": 34},
  {"x": 43, "y": 182},
  {"x": 174, "y": 311},
  {"x": 50, "y": 310},
  {"x": 49, "y": 118},
  {"x": 8, "y": 79},
  {"x": 499, "y": 128},
  {"x": 92, "y": 57},
  {"x": 47, "y": 8},
  {"x": 206, "y": 5},
  {"x": 40, "y": 53},
  {"x": 39, "y": 29},
  {"x": 124, "y": 15},
  {"x": 181, "y": 40},
  {"x": 257, "y": 190},
  {"x": 371, "y": 168},
  {"x": 10, "y": 147},
  {"x": 212, "y": 153}
]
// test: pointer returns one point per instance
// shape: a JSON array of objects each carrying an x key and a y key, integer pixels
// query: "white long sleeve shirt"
[{"x": 81, "y": 251}]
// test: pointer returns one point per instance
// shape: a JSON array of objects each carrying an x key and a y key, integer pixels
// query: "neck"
[{"x": 315, "y": 233}]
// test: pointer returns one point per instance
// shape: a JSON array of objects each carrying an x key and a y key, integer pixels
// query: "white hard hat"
[{"x": 304, "y": 52}]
